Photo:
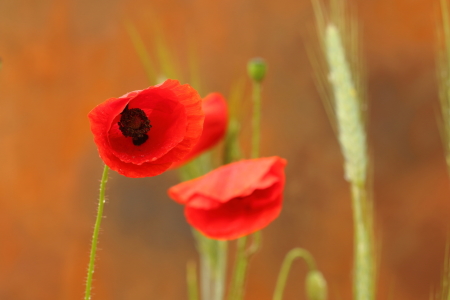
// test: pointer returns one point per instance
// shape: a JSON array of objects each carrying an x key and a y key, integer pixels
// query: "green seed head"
[{"x": 256, "y": 68}]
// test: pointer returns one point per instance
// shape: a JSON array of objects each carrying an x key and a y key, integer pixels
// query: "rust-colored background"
[{"x": 62, "y": 57}]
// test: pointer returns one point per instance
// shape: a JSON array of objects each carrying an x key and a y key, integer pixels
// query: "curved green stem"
[
  {"x": 286, "y": 266},
  {"x": 101, "y": 203},
  {"x": 243, "y": 255}
]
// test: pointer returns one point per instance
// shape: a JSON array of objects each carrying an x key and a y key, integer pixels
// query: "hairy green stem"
[
  {"x": 101, "y": 203},
  {"x": 286, "y": 266}
]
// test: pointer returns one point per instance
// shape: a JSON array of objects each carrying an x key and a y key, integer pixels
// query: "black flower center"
[{"x": 135, "y": 124}]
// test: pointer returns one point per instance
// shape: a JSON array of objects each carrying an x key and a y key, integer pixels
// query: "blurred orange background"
[{"x": 63, "y": 57}]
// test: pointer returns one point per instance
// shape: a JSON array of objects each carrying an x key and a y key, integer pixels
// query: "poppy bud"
[
  {"x": 316, "y": 286},
  {"x": 256, "y": 69}
]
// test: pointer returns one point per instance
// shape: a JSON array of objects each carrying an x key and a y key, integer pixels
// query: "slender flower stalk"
[
  {"x": 256, "y": 70},
  {"x": 286, "y": 266},
  {"x": 220, "y": 269},
  {"x": 205, "y": 265},
  {"x": 256, "y": 120},
  {"x": 240, "y": 268},
  {"x": 352, "y": 138},
  {"x": 231, "y": 148},
  {"x": 213, "y": 262},
  {"x": 191, "y": 278},
  {"x": 101, "y": 203}
]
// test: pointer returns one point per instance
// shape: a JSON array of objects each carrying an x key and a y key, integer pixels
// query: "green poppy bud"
[
  {"x": 316, "y": 286},
  {"x": 256, "y": 69}
]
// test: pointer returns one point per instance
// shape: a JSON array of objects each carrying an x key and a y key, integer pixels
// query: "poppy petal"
[
  {"x": 234, "y": 219},
  {"x": 249, "y": 176},
  {"x": 174, "y": 121},
  {"x": 234, "y": 200},
  {"x": 214, "y": 128}
]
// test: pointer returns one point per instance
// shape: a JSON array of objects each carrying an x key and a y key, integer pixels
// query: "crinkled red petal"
[
  {"x": 176, "y": 117},
  {"x": 168, "y": 120},
  {"x": 246, "y": 175},
  {"x": 238, "y": 217},
  {"x": 234, "y": 200},
  {"x": 214, "y": 128},
  {"x": 195, "y": 116}
]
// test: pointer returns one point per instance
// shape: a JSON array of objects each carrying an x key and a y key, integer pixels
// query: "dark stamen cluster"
[{"x": 135, "y": 124}]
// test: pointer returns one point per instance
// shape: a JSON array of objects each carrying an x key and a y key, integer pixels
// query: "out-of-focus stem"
[
  {"x": 204, "y": 250},
  {"x": 364, "y": 262},
  {"x": 138, "y": 43},
  {"x": 256, "y": 119},
  {"x": 101, "y": 203},
  {"x": 213, "y": 262},
  {"x": 220, "y": 270},
  {"x": 286, "y": 266},
  {"x": 237, "y": 281},
  {"x": 191, "y": 273},
  {"x": 243, "y": 254},
  {"x": 232, "y": 150}
]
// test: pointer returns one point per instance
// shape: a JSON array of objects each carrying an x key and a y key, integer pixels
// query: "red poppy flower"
[
  {"x": 234, "y": 200},
  {"x": 143, "y": 132},
  {"x": 214, "y": 128}
]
